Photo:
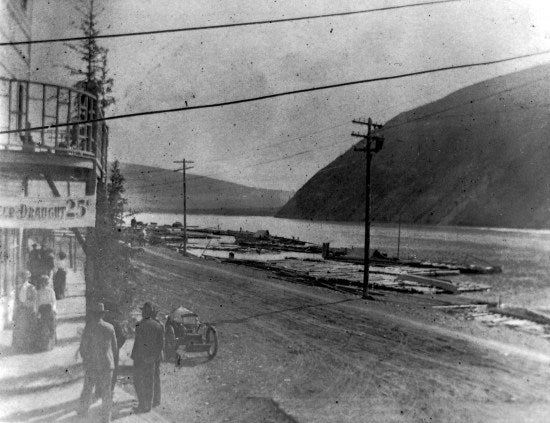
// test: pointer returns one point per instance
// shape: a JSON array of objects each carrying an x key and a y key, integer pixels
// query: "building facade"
[{"x": 50, "y": 166}]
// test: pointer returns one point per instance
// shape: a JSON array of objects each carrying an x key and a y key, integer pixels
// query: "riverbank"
[
  {"x": 522, "y": 254},
  {"x": 294, "y": 352}
]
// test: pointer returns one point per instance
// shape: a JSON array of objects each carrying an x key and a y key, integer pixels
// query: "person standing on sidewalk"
[
  {"x": 47, "y": 310},
  {"x": 99, "y": 351},
  {"x": 147, "y": 355},
  {"x": 24, "y": 320},
  {"x": 60, "y": 276},
  {"x": 111, "y": 316}
]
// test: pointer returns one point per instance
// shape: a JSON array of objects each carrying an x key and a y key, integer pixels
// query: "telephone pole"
[
  {"x": 373, "y": 144},
  {"x": 183, "y": 169}
]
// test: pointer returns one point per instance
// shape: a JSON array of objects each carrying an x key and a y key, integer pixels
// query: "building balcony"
[{"x": 51, "y": 125}]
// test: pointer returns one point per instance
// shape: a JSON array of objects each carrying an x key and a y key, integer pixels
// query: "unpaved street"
[{"x": 291, "y": 352}]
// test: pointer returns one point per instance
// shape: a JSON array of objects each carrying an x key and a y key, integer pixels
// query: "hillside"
[
  {"x": 479, "y": 156},
  {"x": 152, "y": 189}
]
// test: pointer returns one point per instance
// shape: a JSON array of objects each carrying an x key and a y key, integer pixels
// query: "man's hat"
[
  {"x": 149, "y": 307},
  {"x": 98, "y": 308},
  {"x": 110, "y": 306}
]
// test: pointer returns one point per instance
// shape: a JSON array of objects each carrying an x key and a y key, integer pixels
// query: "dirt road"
[{"x": 291, "y": 352}]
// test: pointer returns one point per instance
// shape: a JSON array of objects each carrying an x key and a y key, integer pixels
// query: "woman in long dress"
[
  {"x": 47, "y": 310},
  {"x": 60, "y": 277},
  {"x": 24, "y": 320}
]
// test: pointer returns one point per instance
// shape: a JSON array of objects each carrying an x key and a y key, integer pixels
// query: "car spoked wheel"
[{"x": 211, "y": 339}]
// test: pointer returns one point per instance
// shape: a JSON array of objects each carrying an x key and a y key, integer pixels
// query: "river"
[{"x": 523, "y": 254}]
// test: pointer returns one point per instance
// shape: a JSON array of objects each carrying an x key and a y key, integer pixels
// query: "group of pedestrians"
[
  {"x": 37, "y": 290},
  {"x": 42, "y": 261},
  {"x": 99, "y": 348},
  {"x": 34, "y": 320}
]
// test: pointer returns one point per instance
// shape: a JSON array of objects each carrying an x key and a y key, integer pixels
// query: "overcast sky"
[{"x": 282, "y": 142}]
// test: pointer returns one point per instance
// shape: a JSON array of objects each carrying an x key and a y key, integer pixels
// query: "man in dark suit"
[
  {"x": 99, "y": 351},
  {"x": 112, "y": 316},
  {"x": 147, "y": 355}
]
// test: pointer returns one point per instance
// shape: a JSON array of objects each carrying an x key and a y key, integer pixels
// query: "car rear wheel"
[{"x": 211, "y": 339}]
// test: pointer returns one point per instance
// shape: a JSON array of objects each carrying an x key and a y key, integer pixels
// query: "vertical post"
[
  {"x": 57, "y": 91},
  {"x": 71, "y": 261},
  {"x": 42, "y": 140},
  {"x": 26, "y": 122},
  {"x": 184, "y": 211},
  {"x": 184, "y": 169},
  {"x": 9, "y": 110},
  {"x": 68, "y": 135},
  {"x": 367, "y": 212},
  {"x": 21, "y": 250},
  {"x": 399, "y": 236},
  {"x": 369, "y": 150}
]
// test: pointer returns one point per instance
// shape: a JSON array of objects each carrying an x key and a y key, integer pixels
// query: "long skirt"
[
  {"x": 60, "y": 284},
  {"x": 24, "y": 326},
  {"x": 46, "y": 328}
]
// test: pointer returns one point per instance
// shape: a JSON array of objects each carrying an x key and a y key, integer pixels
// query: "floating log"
[{"x": 423, "y": 280}]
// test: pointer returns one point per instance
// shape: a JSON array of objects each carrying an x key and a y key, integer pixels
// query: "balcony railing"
[{"x": 59, "y": 112}]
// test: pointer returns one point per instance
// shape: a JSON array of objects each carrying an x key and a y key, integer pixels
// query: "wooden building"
[{"x": 50, "y": 166}]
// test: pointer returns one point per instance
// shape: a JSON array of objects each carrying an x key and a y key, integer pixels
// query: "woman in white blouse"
[{"x": 47, "y": 310}]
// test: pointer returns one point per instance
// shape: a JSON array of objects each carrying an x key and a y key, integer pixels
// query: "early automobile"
[{"x": 185, "y": 333}]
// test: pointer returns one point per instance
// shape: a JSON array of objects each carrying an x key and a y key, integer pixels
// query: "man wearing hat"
[
  {"x": 99, "y": 351},
  {"x": 147, "y": 355}
]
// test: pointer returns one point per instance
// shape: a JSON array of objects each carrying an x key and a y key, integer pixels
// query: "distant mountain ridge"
[
  {"x": 153, "y": 189},
  {"x": 479, "y": 157}
]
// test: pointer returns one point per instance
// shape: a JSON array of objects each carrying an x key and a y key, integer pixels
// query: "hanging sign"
[{"x": 47, "y": 213}]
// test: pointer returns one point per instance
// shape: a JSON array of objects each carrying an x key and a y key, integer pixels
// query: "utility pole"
[
  {"x": 183, "y": 169},
  {"x": 399, "y": 236},
  {"x": 373, "y": 144}
]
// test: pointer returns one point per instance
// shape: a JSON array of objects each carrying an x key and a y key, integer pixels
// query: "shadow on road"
[
  {"x": 283, "y": 310},
  {"x": 50, "y": 378},
  {"x": 43, "y": 414},
  {"x": 66, "y": 412}
]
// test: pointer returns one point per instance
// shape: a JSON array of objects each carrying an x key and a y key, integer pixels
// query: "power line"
[
  {"x": 475, "y": 100},
  {"x": 286, "y": 141},
  {"x": 329, "y": 168},
  {"x": 240, "y": 157},
  {"x": 300, "y": 137},
  {"x": 282, "y": 93},
  {"x": 286, "y": 157},
  {"x": 229, "y": 25}
]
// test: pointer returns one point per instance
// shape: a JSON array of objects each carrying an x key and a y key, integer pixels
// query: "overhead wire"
[
  {"x": 286, "y": 157},
  {"x": 286, "y": 141},
  {"x": 499, "y": 92},
  {"x": 285, "y": 93},
  {"x": 341, "y": 124},
  {"x": 475, "y": 100},
  {"x": 240, "y": 157},
  {"x": 227, "y": 25},
  {"x": 320, "y": 171}
]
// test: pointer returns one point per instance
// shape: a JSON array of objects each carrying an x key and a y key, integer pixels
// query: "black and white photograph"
[{"x": 275, "y": 211}]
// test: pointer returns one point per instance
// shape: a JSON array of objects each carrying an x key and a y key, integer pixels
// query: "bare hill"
[
  {"x": 152, "y": 189},
  {"x": 479, "y": 156}
]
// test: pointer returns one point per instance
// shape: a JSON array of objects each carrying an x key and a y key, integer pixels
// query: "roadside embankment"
[{"x": 297, "y": 352}]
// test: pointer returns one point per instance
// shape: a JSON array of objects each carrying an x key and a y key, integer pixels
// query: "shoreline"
[
  {"x": 280, "y": 339},
  {"x": 425, "y": 307}
]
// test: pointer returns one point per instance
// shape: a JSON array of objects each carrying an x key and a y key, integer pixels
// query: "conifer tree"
[
  {"x": 116, "y": 202},
  {"x": 93, "y": 74}
]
